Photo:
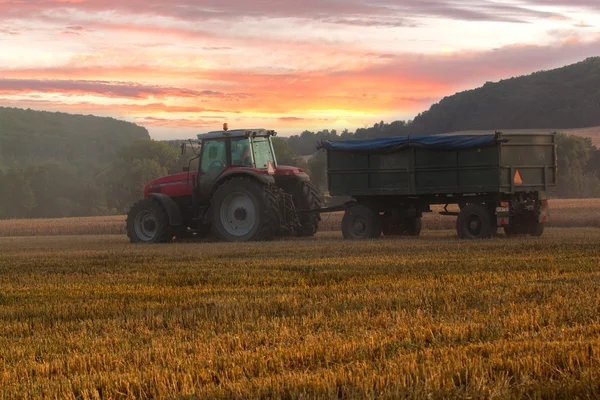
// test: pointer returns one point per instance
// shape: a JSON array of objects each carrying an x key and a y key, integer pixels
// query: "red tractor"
[{"x": 238, "y": 193}]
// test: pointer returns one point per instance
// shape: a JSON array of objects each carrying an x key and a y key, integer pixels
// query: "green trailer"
[{"x": 497, "y": 180}]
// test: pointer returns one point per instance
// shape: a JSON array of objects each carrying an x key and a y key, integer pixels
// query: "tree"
[
  {"x": 17, "y": 200},
  {"x": 286, "y": 156},
  {"x": 136, "y": 164},
  {"x": 317, "y": 166},
  {"x": 143, "y": 149},
  {"x": 284, "y": 152},
  {"x": 575, "y": 179}
]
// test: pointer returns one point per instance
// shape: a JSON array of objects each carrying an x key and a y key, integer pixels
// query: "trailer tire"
[
  {"x": 408, "y": 227},
  {"x": 414, "y": 226},
  {"x": 361, "y": 222},
  {"x": 512, "y": 230},
  {"x": 475, "y": 222},
  {"x": 536, "y": 229},
  {"x": 148, "y": 222}
]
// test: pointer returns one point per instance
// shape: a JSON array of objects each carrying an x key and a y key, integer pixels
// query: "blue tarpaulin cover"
[{"x": 393, "y": 144}]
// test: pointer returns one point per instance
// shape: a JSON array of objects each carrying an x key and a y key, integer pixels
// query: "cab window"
[
  {"x": 214, "y": 156},
  {"x": 262, "y": 152},
  {"x": 241, "y": 154}
]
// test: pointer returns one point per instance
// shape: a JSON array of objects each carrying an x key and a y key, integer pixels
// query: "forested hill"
[
  {"x": 28, "y": 136},
  {"x": 566, "y": 97}
]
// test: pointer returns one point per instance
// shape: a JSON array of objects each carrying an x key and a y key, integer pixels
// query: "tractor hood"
[{"x": 174, "y": 185}]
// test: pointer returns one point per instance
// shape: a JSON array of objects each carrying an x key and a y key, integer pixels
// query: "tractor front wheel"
[
  {"x": 148, "y": 222},
  {"x": 243, "y": 209}
]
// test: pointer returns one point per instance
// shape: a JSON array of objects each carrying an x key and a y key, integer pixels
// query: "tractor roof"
[{"x": 236, "y": 133}]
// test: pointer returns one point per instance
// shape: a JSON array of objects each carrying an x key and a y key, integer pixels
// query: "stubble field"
[{"x": 92, "y": 316}]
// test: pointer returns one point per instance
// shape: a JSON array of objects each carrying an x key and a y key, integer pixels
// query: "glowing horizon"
[{"x": 178, "y": 67}]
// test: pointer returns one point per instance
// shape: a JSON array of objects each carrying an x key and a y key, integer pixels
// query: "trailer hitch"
[{"x": 325, "y": 210}]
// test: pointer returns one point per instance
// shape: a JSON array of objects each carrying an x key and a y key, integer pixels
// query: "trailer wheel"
[
  {"x": 148, "y": 222},
  {"x": 409, "y": 227},
  {"x": 512, "y": 230},
  {"x": 361, "y": 222},
  {"x": 413, "y": 226},
  {"x": 475, "y": 222},
  {"x": 536, "y": 229}
]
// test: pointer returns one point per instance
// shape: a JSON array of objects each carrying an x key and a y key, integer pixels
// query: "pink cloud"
[
  {"x": 102, "y": 88},
  {"x": 358, "y": 12}
]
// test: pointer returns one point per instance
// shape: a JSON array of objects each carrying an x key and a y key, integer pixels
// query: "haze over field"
[{"x": 181, "y": 66}]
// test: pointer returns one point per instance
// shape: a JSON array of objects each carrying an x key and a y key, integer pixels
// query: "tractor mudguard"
[
  {"x": 301, "y": 176},
  {"x": 291, "y": 179},
  {"x": 170, "y": 207},
  {"x": 267, "y": 179}
]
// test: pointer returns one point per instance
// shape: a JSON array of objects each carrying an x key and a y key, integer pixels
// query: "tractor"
[{"x": 237, "y": 193}]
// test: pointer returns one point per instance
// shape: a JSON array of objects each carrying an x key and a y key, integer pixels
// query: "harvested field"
[
  {"x": 564, "y": 213},
  {"x": 592, "y": 133},
  {"x": 96, "y": 317}
]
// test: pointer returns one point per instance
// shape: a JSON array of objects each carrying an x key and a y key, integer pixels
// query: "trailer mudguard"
[{"x": 170, "y": 207}]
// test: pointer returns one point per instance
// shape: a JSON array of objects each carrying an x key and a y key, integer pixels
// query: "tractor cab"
[
  {"x": 225, "y": 152},
  {"x": 237, "y": 148}
]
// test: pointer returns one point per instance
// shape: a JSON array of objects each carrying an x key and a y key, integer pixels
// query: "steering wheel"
[{"x": 216, "y": 164}]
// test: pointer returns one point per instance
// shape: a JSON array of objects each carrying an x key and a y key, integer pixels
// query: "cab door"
[{"x": 213, "y": 162}]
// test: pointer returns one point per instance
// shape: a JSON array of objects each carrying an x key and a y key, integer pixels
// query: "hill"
[
  {"x": 562, "y": 98},
  {"x": 61, "y": 165},
  {"x": 28, "y": 136}
]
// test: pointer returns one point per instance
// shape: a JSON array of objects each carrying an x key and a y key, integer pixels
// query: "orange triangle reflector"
[{"x": 517, "y": 179}]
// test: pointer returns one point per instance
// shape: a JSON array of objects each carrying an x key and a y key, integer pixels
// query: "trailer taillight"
[{"x": 544, "y": 202}]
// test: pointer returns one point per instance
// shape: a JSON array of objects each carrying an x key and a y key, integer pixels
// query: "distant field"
[
  {"x": 564, "y": 213},
  {"x": 430, "y": 317},
  {"x": 592, "y": 133}
]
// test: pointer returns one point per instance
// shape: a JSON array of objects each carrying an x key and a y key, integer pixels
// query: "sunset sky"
[{"x": 181, "y": 67}]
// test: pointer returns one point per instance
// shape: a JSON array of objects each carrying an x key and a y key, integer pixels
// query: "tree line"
[{"x": 54, "y": 188}]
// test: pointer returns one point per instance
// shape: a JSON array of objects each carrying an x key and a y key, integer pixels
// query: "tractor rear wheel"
[
  {"x": 244, "y": 209},
  {"x": 361, "y": 222},
  {"x": 148, "y": 222},
  {"x": 306, "y": 197}
]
